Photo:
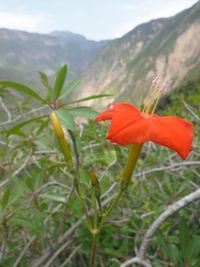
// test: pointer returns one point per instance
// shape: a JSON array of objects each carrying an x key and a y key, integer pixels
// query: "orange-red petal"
[
  {"x": 130, "y": 126},
  {"x": 172, "y": 132},
  {"x": 104, "y": 116}
]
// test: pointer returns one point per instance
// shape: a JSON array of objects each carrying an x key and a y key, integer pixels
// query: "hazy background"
[{"x": 97, "y": 20}]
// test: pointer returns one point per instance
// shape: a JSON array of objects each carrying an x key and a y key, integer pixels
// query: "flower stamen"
[{"x": 155, "y": 91}]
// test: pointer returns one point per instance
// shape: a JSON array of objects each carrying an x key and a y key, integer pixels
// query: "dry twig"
[{"x": 170, "y": 210}]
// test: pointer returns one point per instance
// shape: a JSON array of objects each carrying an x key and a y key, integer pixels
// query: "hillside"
[
  {"x": 23, "y": 54},
  {"x": 168, "y": 47}
]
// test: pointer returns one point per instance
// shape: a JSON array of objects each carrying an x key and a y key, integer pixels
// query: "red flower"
[{"x": 130, "y": 126}]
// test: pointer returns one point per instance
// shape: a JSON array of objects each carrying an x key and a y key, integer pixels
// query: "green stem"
[
  {"x": 133, "y": 155},
  {"x": 109, "y": 210},
  {"x": 95, "y": 212},
  {"x": 84, "y": 208},
  {"x": 94, "y": 245}
]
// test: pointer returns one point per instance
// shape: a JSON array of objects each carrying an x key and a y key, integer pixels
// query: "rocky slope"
[
  {"x": 23, "y": 54},
  {"x": 166, "y": 47}
]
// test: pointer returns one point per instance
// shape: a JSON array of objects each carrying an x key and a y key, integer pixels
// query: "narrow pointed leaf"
[
  {"x": 54, "y": 197},
  {"x": 29, "y": 184},
  {"x": 44, "y": 80},
  {"x": 16, "y": 128},
  {"x": 71, "y": 87},
  {"x": 194, "y": 247},
  {"x": 5, "y": 198},
  {"x": 84, "y": 112},
  {"x": 43, "y": 126},
  {"x": 184, "y": 238},
  {"x": 60, "y": 79},
  {"x": 23, "y": 89},
  {"x": 90, "y": 98}
]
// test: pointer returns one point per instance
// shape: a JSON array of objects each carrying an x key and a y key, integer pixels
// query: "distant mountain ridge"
[
  {"x": 70, "y": 36},
  {"x": 23, "y": 54},
  {"x": 125, "y": 67}
]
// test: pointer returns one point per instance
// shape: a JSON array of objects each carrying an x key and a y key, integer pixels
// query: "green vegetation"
[{"x": 40, "y": 212}]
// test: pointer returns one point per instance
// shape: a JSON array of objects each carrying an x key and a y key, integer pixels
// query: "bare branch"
[
  {"x": 70, "y": 256},
  {"x": 45, "y": 152},
  {"x": 55, "y": 255},
  {"x": 15, "y": 173},
  {"x": 4, "y": 182},
  {"x": 90, "y": 146},
  {"x": 24, "y": 163},
  {"x": 170, "y": 210},
  {"x": 136, "y": 260},
  {"x": 50, "y": 184},
  {"x": 109, "y": 190},
  {"x": 107, "y": 168},
  {"x": 18, "y": 118},
  {"x": 5, "y": 144},
  {"x": 24, "y": 251},
  {"x": 189, "y": 108},
  {"x": 173, "y": 166},
  {"x": 6, "y": 110}
]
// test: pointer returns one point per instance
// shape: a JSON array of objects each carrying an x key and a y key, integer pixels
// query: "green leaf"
[
  {"x": 183, "y": 185},
  {"x": 29, "y": 184},
  {"x": 44, "y": 80},
  {"x": 5, "y": 198},
  {"x": 31, "y": 225},
  {"x": 42, "y": 143},
  {"x": 54, "y": 197},
  {"x": 71, "y": 87},
  {"x": 66, "y": 119},
  {"x": 113, "y": 252},
  {"x": 194, "y": 247},
  {"x": 60, "y": 79},
  {"x": 163, "y": 243},
  {"x": 16, "y": 129},
  {"x": 45, "y": 83},
  {"x": 23, "y": 89},
  {"x": 17, "y": 132},
  {"x": 84, "y": 112},
  {"x": 43, "y": 126},
  {"x": 174, "y": 253},
  {"x": 184, "y": 239},
  {"x": 90, "y": 98},
  {"x": 84, "y": 176},
  {"x": 13, "y": 198}
]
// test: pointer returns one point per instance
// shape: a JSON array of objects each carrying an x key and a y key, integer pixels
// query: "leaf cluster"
[{"x": 37, "y": 197}]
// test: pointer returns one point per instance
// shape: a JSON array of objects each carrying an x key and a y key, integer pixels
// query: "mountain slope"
[
  {"x": 167, "y": 47},
  {"x": 23, "y": 54}
]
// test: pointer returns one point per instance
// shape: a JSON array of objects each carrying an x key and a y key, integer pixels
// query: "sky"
[{"x": 95, "y": 19}]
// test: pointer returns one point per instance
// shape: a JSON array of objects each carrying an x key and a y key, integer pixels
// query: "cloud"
[{"x": 33, "y": 23}]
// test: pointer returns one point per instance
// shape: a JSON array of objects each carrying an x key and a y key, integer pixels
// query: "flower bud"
[
  {"x": 95, "y": 184},
  {"x": 60, "y": 136}
]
